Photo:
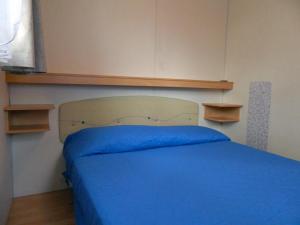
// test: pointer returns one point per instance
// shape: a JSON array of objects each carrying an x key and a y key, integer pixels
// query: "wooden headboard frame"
[{"x": 130, "y": 110}]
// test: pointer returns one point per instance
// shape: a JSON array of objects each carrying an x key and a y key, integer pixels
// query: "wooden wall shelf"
[
  {"x": 27, "y": 118},
  {"x": 99, "y": 80},
  {"x": 222, "y": 113}
]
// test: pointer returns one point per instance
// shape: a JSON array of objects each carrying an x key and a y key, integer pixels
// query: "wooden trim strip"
[
  {"x": 100, "y": 80},
  {"x": 222, "y": 105},
  {"x": 24, "y": 107}
]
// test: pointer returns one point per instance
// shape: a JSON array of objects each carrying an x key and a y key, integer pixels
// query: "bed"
[{"x": 176, "y": 175}]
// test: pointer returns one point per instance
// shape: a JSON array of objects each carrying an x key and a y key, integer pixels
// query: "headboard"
[{"x": 131, "y": 110}]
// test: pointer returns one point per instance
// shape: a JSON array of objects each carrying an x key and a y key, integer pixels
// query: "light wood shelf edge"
[
  {"x": 222, "y": 105},
  {"x": 28, "y": 129},
  {"x": 103, "y": 80},
  {"x": 221, "y": 120},
  {"x": 30, "y": 107}
]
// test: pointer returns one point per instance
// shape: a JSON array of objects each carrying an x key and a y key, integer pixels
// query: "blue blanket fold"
[{"x": 116, "y": 139}]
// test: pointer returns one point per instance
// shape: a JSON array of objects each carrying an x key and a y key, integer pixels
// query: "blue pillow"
[{"x": 116, "y": 139}]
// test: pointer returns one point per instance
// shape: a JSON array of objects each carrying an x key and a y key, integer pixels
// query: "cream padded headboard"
[{"x": 131, "y": 110}]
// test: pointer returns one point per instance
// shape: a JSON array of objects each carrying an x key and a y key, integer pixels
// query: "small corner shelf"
[
  {"x": 27, "y": 118},
  {"x": 222, "y": 113}
]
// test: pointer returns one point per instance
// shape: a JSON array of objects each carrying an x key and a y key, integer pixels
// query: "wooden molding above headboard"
[
  {"x": 100, "y": 80},
  {"x": 126, "y": 110}
]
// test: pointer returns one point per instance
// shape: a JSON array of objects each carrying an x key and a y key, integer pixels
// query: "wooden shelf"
[
  {"x": 222, "y": 105},
  {"x": 28, "y": 107},
  {"x": 27, "y": 118},
  {"x": 21, "y": 129},
  {"x": 221, "y": 119},
  {"x": 221, "y": 112},
  {"x": 100, "y": 80}
]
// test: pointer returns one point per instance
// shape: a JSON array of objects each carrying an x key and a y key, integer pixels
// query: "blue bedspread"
[{"x": 213, "y": 183}]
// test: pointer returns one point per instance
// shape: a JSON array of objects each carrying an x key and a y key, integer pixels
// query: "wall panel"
[
  {"x": 6, "y": 187},
  {"x": 263, "y": 45}
]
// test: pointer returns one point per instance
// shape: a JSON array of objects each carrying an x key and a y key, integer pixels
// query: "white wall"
[
  {"x": 180, "y": 39},
  {"x": 263, "y": 45},
  {"x": 6, "y": 187}
]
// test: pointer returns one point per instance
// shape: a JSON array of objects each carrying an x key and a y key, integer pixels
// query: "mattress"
[{"x": 213, "y": 183}]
